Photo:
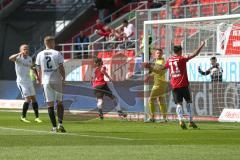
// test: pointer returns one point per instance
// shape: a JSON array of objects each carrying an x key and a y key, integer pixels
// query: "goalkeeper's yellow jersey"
[{"x": 159, "y": 75}]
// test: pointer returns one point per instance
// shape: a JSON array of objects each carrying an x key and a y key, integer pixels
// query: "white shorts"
[
  {"x": 52, "y": 92},
  {"x": 26, "y": 89}
]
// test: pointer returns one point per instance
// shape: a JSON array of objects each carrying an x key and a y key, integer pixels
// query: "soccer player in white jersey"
[
  {"x": 52, "y": 74},
  {"x": 23, "y": 64}
]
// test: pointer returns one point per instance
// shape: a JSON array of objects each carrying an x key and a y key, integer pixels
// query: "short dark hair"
[
  {"x": 98, "y": 61},
  {"x": 49, "y": 38},
  {"x": 177, "y": 48},
  {"x": 213, "y": 58},
  {"x": 125, "y": 21}
]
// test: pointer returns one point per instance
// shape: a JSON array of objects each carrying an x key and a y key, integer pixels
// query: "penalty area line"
[{"x": 69, "y": 134}]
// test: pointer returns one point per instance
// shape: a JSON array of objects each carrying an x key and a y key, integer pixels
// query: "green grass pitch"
[{"x": 116, "y": 140}]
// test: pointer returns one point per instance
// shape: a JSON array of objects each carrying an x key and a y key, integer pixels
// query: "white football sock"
[
  {"x": 116, "y": 104},
  {"x": 100, "y": 103},
  {"x": 189, "y": 109},
  {"x": 179, "y": 111}
]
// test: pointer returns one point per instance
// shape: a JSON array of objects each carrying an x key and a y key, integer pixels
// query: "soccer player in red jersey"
[
  {"x": 101, "y": 88},
  {"x": 179, "y": 82}
]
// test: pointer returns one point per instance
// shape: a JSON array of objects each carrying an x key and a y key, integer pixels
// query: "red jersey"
[
  {"x": 178, "y": 71},
  {"x": 100, "y": 27},
  {"x": 99, "y": 77}
]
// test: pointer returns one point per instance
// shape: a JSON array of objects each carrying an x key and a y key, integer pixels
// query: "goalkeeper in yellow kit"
[{"x": 159, "y": 88}]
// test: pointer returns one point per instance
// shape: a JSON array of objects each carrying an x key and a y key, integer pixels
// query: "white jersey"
[
  {"x": 129, "y": 31},
  {"x": 49, "y": 60},
  {"x": 22, "y": 67}
]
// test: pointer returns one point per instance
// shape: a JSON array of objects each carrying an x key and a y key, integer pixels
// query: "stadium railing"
[
  {"x": 166, "y": 12},
  {"x": 116, "y": 18},
  {"x": 93, "y": 49}
]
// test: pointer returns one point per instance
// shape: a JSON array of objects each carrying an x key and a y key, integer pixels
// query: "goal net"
[{"x": 222, "y": 37}]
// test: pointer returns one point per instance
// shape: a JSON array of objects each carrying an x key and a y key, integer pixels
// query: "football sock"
[
  {"x": 60, "y": 113},
  {"x": 100, "y": 103},
  {"x": 25, "y": 108},
  {"x": 52, "y": 116},
  {"x": 189, "y": 109},
  {"x": 116, "y": 104},
  {"x": 151, "y": 108},
  {"x": 179, "y": 112},
  {"x": 35, "y": 109},
  {"x": 163, "y": 109},
  {"x": 100, "y": 111}
]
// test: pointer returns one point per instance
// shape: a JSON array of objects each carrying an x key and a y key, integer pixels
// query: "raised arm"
[
  {"x": 196, "y": 52},
  {"x": 13, "y": 57},
  {"x": 207, "y": 72}
]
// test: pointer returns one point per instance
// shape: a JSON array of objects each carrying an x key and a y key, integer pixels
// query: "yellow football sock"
[
  {"x": 163, "y": 109},
  {"x": 151, "y": 109}
]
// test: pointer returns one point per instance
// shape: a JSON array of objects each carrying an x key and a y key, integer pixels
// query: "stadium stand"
[{"x": 180, "y": 9}]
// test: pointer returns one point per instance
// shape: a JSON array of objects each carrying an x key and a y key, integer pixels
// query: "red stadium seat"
[
  {"x": 177, "y": 41},
  {"x": 163, "y": 14},
  {"x": 162, "y": 31},
  {"x": 207, "y": 10},
  {"x": 234, "y": 5},
  {"x": 179, "y": 32},
  {"x": 193, "y": 11},
  {"x": 162, "y": 43},
  {"x": 178, "y": 3},
  {"x": 191, "y": 31},
  {"x": 222, "y": 9},
  {"x": 190, "y": 2}
]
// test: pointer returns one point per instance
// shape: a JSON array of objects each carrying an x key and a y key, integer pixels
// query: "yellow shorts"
[{"x": 158, "y": 91}]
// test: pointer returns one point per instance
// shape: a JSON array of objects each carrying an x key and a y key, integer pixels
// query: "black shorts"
[
  {"x": 180, "y": 93},
  {"x": 103, "y": 90}
]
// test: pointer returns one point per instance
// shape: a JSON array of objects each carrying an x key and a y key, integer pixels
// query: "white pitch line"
[{"x": 70, "y": 134}]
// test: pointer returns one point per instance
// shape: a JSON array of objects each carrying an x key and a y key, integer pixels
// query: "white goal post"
[{"x": 189, "y": 32}]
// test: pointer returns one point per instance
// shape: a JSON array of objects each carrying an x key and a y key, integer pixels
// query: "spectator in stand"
[
  {"x": 116, "y": 35},
  {"x": 119, "y": 34},
  {"x": 102, "y": 30},
  {"x": 112, "y": 36},
  {"x": 128, "y": 30},
  {"x": 81, "y": 38},
  {"x": 99, "y": 25},
  {"x": 105, "y": 32}
]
